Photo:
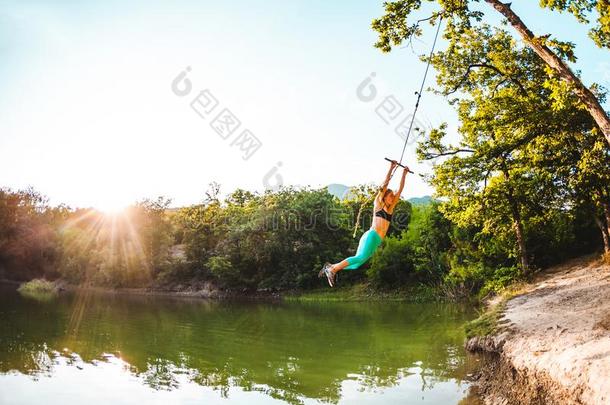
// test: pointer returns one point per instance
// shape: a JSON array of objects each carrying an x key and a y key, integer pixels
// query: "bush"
[
  {"x": 392, "y": 265},
  {"x": 223, "y": 270},
  {"x": 174, "y": 270},
  {"x": 429, "y": 235},
  {"x": 501, "y": 278},
  {"x": 38, "y": 289}
]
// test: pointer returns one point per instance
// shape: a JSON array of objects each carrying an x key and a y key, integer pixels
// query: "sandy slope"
[{"x": 558, "y": 332}]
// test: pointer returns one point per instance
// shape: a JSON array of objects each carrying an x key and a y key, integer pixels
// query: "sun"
[{"x": 111, "y": 206}]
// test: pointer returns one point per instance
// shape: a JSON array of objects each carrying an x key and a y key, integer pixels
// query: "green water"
[{"x": 102, "y": 348}]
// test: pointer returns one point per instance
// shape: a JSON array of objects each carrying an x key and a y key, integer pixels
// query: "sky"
[{"x": 93, "y": 113}]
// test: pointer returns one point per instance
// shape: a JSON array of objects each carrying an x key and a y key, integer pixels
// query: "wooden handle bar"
[{"x": 404, "y": 167}]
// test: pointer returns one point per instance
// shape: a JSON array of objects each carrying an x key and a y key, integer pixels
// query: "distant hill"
[
  {"x": 421, "y": 200},
  {"x": 340, "y": 191}
]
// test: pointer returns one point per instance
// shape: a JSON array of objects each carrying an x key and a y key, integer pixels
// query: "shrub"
[
  {"x": 501, "y": 278},
  {"x": 38, "y": 289},
  {"x": 391, "y": 266},
  {"x": 222, "y": 268}
]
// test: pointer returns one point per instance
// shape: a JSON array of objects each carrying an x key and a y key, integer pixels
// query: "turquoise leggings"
[{"x": 369, "y": 242}]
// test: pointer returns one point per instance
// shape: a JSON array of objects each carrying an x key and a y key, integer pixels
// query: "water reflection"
[{"x": 294, "y": 352}]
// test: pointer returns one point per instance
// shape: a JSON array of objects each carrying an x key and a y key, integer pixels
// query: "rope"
[
  {"x": 421, "y": 89},
  {"x": 404, "y": 147}
]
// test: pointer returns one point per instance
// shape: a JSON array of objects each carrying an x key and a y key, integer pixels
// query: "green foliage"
[
  {"x": 429, "y": 235},
  {"x": 27, "y": 235},
  {"x": 126, "y": 250},
  {"x": 583, "y": 10},
  {"x": 500, "y": 279},
  {"x": 392, "y": 265},
  {"x": 278, "y": 241},
  {"x": 223, "y": 270},
  {"x": 400, "y": 21},
  {"x": 274, "y": 240},
  {"x": 529, "y": 158},
  {"x": 394, "y": 28}
]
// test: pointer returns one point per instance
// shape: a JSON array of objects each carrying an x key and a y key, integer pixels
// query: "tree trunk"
[
  {"x": 585, "y": 95},
  {"x": 517, "y": 227},
  {"x": 604, "y": 231},
  {"x": 606, "y": 207}
]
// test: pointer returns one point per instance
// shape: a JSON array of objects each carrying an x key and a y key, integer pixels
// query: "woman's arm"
[
  {"x": 388, "y": 177},
  {"x": 402, "y": 182}
]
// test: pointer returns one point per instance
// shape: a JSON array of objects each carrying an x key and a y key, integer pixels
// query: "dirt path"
[{"x": 555, "y": 342}]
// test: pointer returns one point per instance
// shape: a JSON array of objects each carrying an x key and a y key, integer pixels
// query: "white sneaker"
[{"x": 330, "y": 276}]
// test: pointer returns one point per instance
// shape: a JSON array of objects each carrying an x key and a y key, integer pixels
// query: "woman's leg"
[
  {"x": 369, "y": 242},
  {"x": 339, "y": 266}
]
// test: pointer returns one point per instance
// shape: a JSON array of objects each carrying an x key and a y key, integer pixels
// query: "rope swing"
[{"x": 404, "y": 147}]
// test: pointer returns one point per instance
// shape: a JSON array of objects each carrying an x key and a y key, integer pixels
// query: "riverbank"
[
  {"x": 206, "y": 290},
  {"x": 195, "y": 290},
  {"x": 551, "y": 343}
]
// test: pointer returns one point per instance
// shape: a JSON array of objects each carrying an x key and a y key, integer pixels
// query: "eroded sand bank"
[{"x": 554, "y": 345}]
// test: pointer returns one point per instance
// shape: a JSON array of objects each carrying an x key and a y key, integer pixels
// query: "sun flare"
[{"x": 111, "y": 207}]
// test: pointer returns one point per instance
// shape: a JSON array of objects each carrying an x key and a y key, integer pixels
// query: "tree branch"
[
  {"x": 487, "y": 66},
  {"x": 549, "y": 57},
  {"x": 448, "y": 153}
]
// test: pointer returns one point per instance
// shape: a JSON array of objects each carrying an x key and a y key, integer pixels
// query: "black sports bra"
[{"x": 384, "y": 214}]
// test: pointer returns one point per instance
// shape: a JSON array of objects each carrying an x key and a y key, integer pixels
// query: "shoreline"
[
  {"x": 189, "y": 292},
  {"x": 552, "y": 341},
  {"x": 206, "y": 290}
]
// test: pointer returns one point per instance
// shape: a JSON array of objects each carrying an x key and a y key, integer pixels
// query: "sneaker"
[{"x": 330, "y": 276}]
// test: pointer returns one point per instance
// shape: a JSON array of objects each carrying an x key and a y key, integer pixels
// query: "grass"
[
  {"x": 488, "y": 321},
  {"x": 364, "y": 292},
  {"x": 38, "y": 289}
]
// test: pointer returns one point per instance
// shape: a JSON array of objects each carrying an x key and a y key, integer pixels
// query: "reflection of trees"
[
  {"x": 161, "y": 374},
  {"x": 286, "y": 351}
]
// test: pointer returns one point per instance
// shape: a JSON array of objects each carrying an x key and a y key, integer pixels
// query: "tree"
[
  {"x": 154, "y": 230},
  {"x": 519, "y": 148},
  {"x": 27, "y": 240},
  {"x": 429, "y": 235},
  {"x": 461, "y": 16}
]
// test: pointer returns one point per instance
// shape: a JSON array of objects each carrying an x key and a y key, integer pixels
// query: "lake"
[{"x": 99, "y": 348}]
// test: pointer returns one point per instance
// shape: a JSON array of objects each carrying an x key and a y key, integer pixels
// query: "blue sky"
[{"x": 88, "y": 116}]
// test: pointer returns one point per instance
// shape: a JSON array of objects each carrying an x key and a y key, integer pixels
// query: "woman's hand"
[{"x": 405, "y": 170}]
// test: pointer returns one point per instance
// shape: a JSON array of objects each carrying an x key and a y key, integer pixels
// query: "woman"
[{"x": 384, "y": 205}]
